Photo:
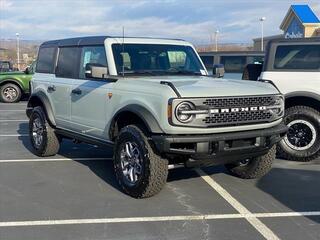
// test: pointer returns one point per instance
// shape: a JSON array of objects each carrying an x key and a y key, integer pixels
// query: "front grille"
[
  {"x": 241, "y": 117},
  {"x": 240, "y": 101}
]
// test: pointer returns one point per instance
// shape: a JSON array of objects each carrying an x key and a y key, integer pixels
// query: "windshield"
[{"x": 154, "y": 59}]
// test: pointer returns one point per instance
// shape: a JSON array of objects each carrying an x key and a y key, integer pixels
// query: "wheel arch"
[
  {"x": 13, "y": 81},
  {"x": 303, "y": 98},
  {"x": 133, "y": 114},
  {"x": 40, "y": 99}
]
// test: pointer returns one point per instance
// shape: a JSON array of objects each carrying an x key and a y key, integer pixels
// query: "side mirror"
[
  {"x": 218, "y": 70},
  {"x": 27, "y": 70},
  {"x": 96, "y": 71}
]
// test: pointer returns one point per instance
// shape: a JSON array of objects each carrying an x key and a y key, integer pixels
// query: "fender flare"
[
  {"x": 303, "y": 94},
  {"x": 145, "y": 115},
  {"x": 8, "y": 80},
  {"x": 42, "y": 97}
]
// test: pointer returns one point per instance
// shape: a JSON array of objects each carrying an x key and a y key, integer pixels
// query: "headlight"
[
  {"x": 183, "y": 112},
  {"x": 278, "y": 107}
]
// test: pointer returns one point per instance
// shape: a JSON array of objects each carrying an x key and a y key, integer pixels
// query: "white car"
[{"x": 293, "y": 65}]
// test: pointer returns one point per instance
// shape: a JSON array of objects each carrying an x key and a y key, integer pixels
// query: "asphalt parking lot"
[{"x": 74, "y": 195}]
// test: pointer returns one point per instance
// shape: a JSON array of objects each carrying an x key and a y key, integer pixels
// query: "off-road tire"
[
  {"x": 313, "y": 117},
  {"x": 3, "y": 88},
  {"x": 256, "y": 168},
  {"x": 155, "y": 168},
  {"x": 51, "y": 142},
  {"x": 252, "y": 72}
]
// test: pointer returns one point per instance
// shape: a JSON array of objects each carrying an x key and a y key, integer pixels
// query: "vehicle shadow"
[
  {"x": 103, "y": 169},
  {"x": 297, "y": 189}
]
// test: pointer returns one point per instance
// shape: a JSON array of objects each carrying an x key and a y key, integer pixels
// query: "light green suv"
[{"x": 154, "y": 102}]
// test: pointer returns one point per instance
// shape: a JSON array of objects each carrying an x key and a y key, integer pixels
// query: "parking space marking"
[
  {"x": 53, "y": 160},
  {"x": 159, "y": 219},
  {"x": 14, "y": 135},
  {"x": 9, "y": 104},
  {"x": 12, "y": 110},
  {"x": 14, "y": 120},
  {"x": 254, "y": 221}
]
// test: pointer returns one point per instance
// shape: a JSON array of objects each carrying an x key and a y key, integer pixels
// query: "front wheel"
[
  {"x": 139, "y": 170},
  {"x": 254, "y": 167},
  {"x": 302, "y": 141},
  {"x": 10, "y": 93}
]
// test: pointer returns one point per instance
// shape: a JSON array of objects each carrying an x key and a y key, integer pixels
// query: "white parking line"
[
  {"x": 14, "y": 120},
  {"x": 12, "y": 110},
  {"x": 254, "y": 221},
  {"x": 12, "y": 104},
  {"x": 14, "y": 135},
  {"x": 158, "y": 219},
  {"x": 53, "y": 160}
]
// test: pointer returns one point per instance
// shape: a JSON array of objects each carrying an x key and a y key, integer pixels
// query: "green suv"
[{"x": 13, "y": 85}]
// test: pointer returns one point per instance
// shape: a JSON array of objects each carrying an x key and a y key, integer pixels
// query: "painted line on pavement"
[
  {"x": 14, "y": 120},
  {"x": 158, "y": 219},
  {"x": 266, "y": 232},
  {"x": 12, "y": 110},
  {"x": 14, "y": 135},
  {"x": 53, "y": 160}
]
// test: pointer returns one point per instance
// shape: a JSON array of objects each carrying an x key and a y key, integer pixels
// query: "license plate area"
[{"x": 238, "y": 144}]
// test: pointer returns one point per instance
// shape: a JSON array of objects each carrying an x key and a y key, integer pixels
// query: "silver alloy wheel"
[
  {"x": 301, "y": 135},
  {"x": 131, "y": 162},
  {"x": 37, "y": 132},
  {"x": 10, "y": 93},
  {"x": 244, "y": 162}
]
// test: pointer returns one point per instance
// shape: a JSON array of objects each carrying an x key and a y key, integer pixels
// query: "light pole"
[
  {"x": 18, "y": 51},
  {"x": 216, "y": 39},
  {"x": 262, "y": 20}
]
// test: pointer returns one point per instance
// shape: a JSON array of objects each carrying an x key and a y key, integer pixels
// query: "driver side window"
[{"x": 94, "y": 55}]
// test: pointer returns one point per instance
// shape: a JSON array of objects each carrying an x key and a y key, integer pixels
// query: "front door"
[{"x": 89, "y": 96}]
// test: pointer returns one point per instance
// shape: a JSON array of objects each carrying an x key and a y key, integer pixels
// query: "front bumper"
[{"x": 222, "y": 148}]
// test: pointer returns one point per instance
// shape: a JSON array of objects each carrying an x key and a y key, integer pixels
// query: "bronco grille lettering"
[{"x": 234, "y": 110}]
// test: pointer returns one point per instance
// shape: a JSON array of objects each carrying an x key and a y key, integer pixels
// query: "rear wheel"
[
  {"x": 10, "y": 93},
  {"x": 44, "y": 140},
  {"x": 140, "y": 171},
  {"x": 302, "y": 141},
  {"x": 254, "y": 167}
]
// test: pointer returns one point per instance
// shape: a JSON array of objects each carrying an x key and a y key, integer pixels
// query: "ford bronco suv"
[
  {"x": 13, "y": 85},
  {"x": 153, "y": 101},
  {"x": 293, "y": 65}
]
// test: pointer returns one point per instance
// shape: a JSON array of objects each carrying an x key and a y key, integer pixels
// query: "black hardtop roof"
[
  {"x": 295, "y": 40},
  {"x": 92, "y": 40}
]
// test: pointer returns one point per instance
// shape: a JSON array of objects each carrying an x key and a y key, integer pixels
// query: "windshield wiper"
[
  {"x": 138, "y": 72},
  {"x": 184, "y": 72}
]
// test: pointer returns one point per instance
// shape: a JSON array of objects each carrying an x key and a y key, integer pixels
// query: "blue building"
[{"x": 299, "y": 22}]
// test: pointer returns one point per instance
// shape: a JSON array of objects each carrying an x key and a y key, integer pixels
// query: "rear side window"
[
  {"x": 67, "y": 66},
  {"x": 234, "y": 64},
  {"x": 297, "y": 57},
  {"x": 46, "y": 59}
]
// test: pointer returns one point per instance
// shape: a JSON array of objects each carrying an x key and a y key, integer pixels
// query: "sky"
[{"x": 192, "y": 20}]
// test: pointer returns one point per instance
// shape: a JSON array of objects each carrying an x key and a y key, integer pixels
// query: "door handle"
[
  {"x": 76, "y": 91},
  {"x": 51, "y": 88}
]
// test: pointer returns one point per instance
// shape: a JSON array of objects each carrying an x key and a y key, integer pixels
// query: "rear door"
[
  {"x": 55, "y": 88},
  {"x": 60, "y": 88},
  {"x": 89, "y": 96}
]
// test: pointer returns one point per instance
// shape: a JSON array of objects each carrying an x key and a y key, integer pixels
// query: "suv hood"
[{"x": 206, "y": 86}]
